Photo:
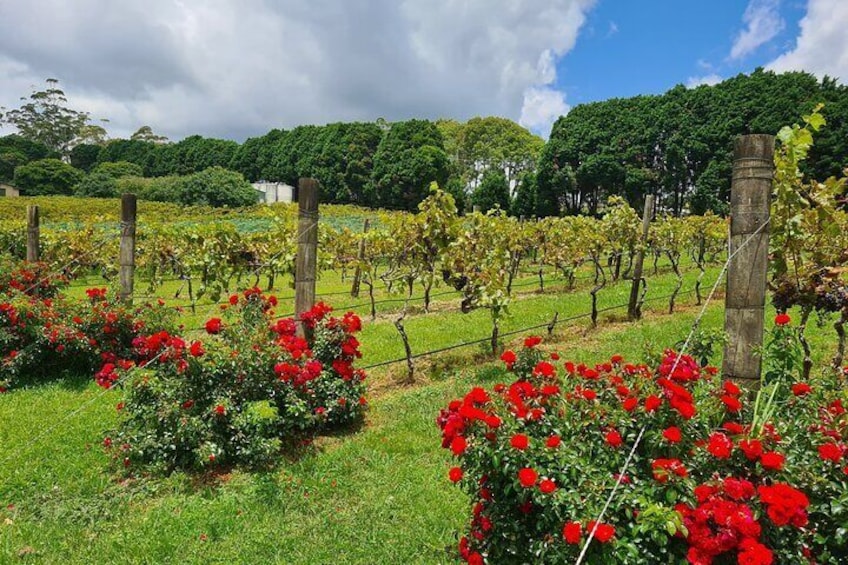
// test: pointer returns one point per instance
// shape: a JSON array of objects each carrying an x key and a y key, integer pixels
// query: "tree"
[
  {"x": 409, "y": 157},
  {"x": 524, "y": 203},
  {"x": 145, "y": 133},
  {"x": 217, "y": 187},
  {"x": 16, "y": 151},
  {"x": 47, "y": 176},
  {"x": 45, "y": 118},
  {"x": 97, "y": 185},
  {"x": 493, "y": 192},
  {"x": 496, "y": 143},
  {"x": 84, "y": 156},
  {"x": 119, "y": 169},
  {"x": 142, "y": 153}
]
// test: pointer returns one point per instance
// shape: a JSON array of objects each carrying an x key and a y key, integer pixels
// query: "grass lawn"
[{"x": 378, "y": 494}]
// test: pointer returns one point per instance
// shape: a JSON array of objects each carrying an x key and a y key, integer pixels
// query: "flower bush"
[
  {"x": 44, "y": 337},
  {"x": 715, "y": 478},
  {"x": 236, "y": 396}
]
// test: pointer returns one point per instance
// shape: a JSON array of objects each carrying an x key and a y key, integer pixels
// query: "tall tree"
[
  {"x": 410, "y": 156},
  {"x": 45, "y": 118}
]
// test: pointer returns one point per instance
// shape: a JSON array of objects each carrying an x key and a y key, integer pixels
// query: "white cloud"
[
  {"x": 763, "y": 23},
  {"x": 822, "y": 46},
  {"x": 709, "y": 80},
  {"x": 234, "y": 68},
  {"x": 541, "y": 108},
  {"x": 613, "y": 29}
]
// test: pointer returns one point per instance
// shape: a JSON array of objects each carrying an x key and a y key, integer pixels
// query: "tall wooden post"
[
  {"x": 127, "y": 252},
  {"x": 32, "y": 243},
  {"x": 634, "y": 311},
  {"x": 750, "y": 192},
  {"x": 357, "y": 275},
  {"x": 307, "y": 248}
]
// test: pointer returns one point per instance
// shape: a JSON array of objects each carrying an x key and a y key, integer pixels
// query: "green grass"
[{"x": 377, "y": 494}]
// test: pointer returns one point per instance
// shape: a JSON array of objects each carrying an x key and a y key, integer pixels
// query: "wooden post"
[
  {"x": 750, "y": 192},
  {"x": 32, "y": 243},
  {"x": 357, "y": 275},
  {"x": 127, "y": 252},
  {"x": 634, "y": 311},
  {"x": 307, "y": 248}
]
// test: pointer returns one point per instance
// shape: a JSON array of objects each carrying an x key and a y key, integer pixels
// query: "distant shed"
[{"x": 9, "y": 190}]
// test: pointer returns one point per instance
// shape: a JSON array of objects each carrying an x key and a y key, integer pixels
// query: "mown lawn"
[{"x": 377, "y": 494}]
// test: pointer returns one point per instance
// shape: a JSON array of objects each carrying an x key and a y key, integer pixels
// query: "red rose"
[
  {"x": 455, "y": 474},
  {"x": 187, "y": 404},
  {"x": 196, "y": 349},
  {"x": 801, "y": 389},
  {"x": 782, "y": 319},
  {"x": 508, "y": 357},
  {"x": 652, "y": 403},
  {"x": 630, "y": 403},
  {"x": 672, "y": 434},
  {"x": 603, "y": 532},
  {"x": 830, "y": 452},
  {"x": 571, "y": 532},
  {"x": 772, "y": 461},
  {"x": 547, "y": 486},
  {"x": 527, "y": 477},
  {"x": 220, "y": 410},
  {"x": 475, "y": 559},
  {"x": 720, "y": 445},
  {"x": 213, "y": 326},
  {"x": 532, "y": 341},
  {"x": 613, "y": 438},
  {"x": 553, "y": 442},
  {"x": 519, "y": 441},
  {"x": 458, "y": 445},
  {"x": 752, "y": 448},
  {"x": 731, "y": 403}
]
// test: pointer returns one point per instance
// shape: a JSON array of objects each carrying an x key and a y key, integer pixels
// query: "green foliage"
[
  {"x": 493, "y": 192},
  {"x": 98, "y": 184},
  {"x": 524, "y": 203},
  {"x": 119, "y": 169},
  {"x": 410, "y": 156},
  {"x": 145, "y": 133},
  {"x": 16, "y": 151},
  {"x": 44, "y": 118},
  {"x": 46, "y": 176},
  {"x": 216, "y": 187},
  {"x": 679, "y": 145},
  {"x": 84, "y": 156},
  {"x": 134, "y": 151}
]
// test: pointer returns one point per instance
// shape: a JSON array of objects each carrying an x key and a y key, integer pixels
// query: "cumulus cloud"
[
  {"x": 709, "y": 80},
  {"x": 235, "y": 68},
  {"x": 763, "y": 22},
  {"x": 822, "y": 45}
]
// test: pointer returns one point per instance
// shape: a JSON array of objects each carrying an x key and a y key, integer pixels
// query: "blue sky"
[{"x": 628, "y": 47}]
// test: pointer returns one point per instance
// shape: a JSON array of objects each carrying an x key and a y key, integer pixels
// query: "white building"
[{"x": 275, "y": 192}]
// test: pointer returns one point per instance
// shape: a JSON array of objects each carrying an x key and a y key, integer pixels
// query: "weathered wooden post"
[
  {"x": 127, "y": 251},
  {"x": 33, "y": 231},
  {"x": 307, "y": 248},
  {"x": 634, "y": 310},
  {"x": 357, "y": 275},
  {"x": 750, "y": 192}
]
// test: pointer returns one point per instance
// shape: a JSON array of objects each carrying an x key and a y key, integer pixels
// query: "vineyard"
[{"x": 195, "y": 413}]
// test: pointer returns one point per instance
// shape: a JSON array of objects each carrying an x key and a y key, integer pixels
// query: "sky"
[{"x": 238, "y": 68}]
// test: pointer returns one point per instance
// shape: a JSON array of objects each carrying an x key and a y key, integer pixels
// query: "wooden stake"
[
  {"x": 33, "y": 233},
  {"x": 307, "y": 249},
  {"x": 127, "y": 252},
  {"x": 634, "y": 308},
  {"x": 750, "y": 192}
]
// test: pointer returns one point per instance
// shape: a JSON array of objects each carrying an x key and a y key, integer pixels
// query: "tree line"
[{"x": 677, "y": 145}]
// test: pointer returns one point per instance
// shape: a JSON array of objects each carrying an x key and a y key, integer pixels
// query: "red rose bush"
[
  {"x": 714, "y": 478},
  {"x": 44, "y": 335},
  {"x": 239, "y": 393}
]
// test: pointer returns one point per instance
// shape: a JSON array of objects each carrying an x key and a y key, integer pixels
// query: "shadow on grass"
[{"x": 73, "y": 379}]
